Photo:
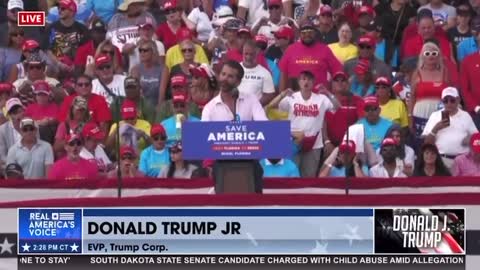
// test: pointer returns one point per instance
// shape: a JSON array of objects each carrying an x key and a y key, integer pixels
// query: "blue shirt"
[
  {"x": 274, "y": 69},
  {"x": 170, "y": 125},
  {"x": 375, "y": 133},
  {"x": 104, "y": 9},
  {"x": 152, "y": 162},
  {"x": 357, "y": 88},
  {"x": 466, "y": 47},
  {"x": 380, "y": 53},
  {"x": 284, "y": 168},
  {"x": 340, "y": 172}
]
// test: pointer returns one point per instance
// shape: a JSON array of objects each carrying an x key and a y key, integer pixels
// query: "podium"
[
  {"x": 236, "y": 147},
  {"x": 238, "y": 176}
]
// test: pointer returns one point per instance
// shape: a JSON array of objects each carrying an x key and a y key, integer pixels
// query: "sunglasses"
[
  {"x": 307, "y": 31},
  {"x": 28, "y": 129},
  {"x": 341, "y": 79},
  {"x": 272, "y": 7},
  {"x": 17, "y": 34},
  {"x": 108, "y": 52},
  {"x": 75, "y": 143},
  {"x": 170, "y": 11},
  {"x": 128, "y": 157},
  {"x": 105, "y": 67},
  {"x": 159, "y": 138},
  {"x": 144, "y": 50},
  {"x": 187, "y": 50},
  {"x": 449, "y": 100},
  {"x": 371, "y": 109},
  {"x": 83, "y": 84},
  {"x": 179, "y": 105},
  {"x": 37, "y": 67},
  {"x": 430, "y": 53},
  {"x": 363, "y": 47},
  {"x": 175, "y": 151},
  {"x": 63, "y": 9},
  {"x": 381, "y": 86}
]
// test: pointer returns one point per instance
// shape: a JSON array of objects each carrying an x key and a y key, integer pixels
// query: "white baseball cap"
[
  {"x": 450, "y": 91},
  {"x": 13, "y": 4}
]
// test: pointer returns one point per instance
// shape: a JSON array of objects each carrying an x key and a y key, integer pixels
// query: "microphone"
[{"x": 235, "y": 95}]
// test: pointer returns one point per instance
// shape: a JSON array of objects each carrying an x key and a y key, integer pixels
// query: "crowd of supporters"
[{"x": 372, "y": 88}]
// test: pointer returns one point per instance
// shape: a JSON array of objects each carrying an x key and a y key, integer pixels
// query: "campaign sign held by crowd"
[{"x": 236, "y": 140}]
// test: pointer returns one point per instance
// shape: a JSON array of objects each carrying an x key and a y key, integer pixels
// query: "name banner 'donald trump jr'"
[{"x": 236, "y": 140}]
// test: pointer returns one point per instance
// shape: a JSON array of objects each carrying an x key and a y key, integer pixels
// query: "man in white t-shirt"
[
  {"x": 257, "y": 80},
  {"x": 391, "y": 166},
  {"x": 306, "y": 112},
  {"x": 106, "y": 78},
  {"x": 450, "y": 128},
  {"x": 255, "y": 9},
  {"x": 92, "y": 150}
]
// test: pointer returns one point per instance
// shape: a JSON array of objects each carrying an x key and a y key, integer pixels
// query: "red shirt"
[
  {"x": 166, "y": 35},
  {"x": 86, "y": 50},
  {"x": 39, "y": 112},
  {"x": 317, "y": 58},
  {"x": 413, "y": 46},
  {"x": 348, "y": 114},
  {"x": 65, "y": 169},
  {"x": 469, "y": 81},
  {"x": 412, "y": 30},
  {"x": 236, "y": 55},
  {"x": 97, "y": 105}
]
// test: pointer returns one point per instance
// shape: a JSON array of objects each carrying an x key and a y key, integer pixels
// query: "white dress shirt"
[{"x": 248, "y": 108}]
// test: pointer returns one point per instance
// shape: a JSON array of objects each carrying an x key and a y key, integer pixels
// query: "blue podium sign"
[{"x": 236, "y": 140}]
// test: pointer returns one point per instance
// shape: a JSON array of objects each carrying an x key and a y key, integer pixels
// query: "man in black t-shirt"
[{"x": 64, "y": 36}]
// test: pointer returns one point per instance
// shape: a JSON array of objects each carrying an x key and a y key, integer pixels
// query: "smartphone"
[{"x": 445, "y": 116}]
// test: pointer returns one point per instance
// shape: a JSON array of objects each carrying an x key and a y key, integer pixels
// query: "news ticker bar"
[
  {"x": 150, "y": 231},
  {"x": 334, "y": 262}
]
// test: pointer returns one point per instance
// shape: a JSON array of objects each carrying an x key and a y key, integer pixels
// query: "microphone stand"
[
  {"x": 348, "y": 165},
  {"x": 116, "y": 102}
]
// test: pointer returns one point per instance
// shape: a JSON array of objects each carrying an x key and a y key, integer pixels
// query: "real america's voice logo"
[{"x": 50, "y": 231}]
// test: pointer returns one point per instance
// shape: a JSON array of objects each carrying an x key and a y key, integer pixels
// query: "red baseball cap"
[
  {"x": 66, "y": 60},
  {"x": 362, "y": 67},
  {"x": 170, "y": 4},
  {"x": 366, "y": 10},
  {"x": 261, "y": 39},
  {"x": 178, "y": 80},
  {"x": 371, "y": 101},
  {"x": 30, "y": 44},
  {"x": 68, "y": 4},
  {"x": 157, "y": 129},
  {"x": 244, "y": 30},
  {"x": 102, "y": 59},
  {"x": 41, "y": 86},
  {"x": 179, "y": 97},
  {"x": 145, "y": 26},
  {"x": 91, "y": 130},
  {"x": 274, "y": 3},
  {"x": 367, "y": 40},
  {"x": 285, "y": 32},
  {"x": 199, "y": 71},
  {"x": 127, "y": 150},
  {"x": 383, "y": 81},
  {"x": 6, "y": 87},
  {"x": 184, "y": 34},
  {"x": 340, "y": 74},
  {"x": 326, "y": 9},
  {"x": 129, "y": 109},
  {"x": 475, "y": 142},
  {"x": 347, "y": 146},
  {"x": 389, "y": 141},
  {"x": 72, "y": 137}
]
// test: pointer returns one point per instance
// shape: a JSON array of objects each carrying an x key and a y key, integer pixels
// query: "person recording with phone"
[
  {"x": 343, "y": 162},
  {"x": 450, "y": 128}
]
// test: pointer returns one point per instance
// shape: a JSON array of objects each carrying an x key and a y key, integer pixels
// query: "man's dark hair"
[
  {"x": 308, "y": 74},
  {"x": 424, "y": 13},
  {"x": 84, "y": 76},
  {"x": 235, "y": 65},
  {"x": 250, "y": 43}
]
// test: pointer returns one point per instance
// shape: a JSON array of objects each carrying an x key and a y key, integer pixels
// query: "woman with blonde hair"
[
  {"x": 428, "y": 81},
  {"x": 106, "y": 47},
  {"x": 188, "y": 49},
  {"x": 344, "y": 50},
  {"x": 148, "y": 71}
]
